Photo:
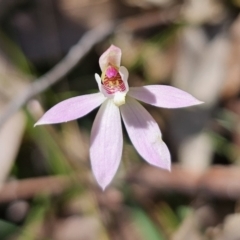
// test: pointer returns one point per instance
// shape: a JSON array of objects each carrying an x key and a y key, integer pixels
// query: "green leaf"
[
  {"x": 145, "y": 225},
  {"x": 7, "y": 229}
]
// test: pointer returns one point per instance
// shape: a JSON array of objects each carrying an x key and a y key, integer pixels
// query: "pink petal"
[
  {"x": 124, "y": 73},
  {"x": 163, "y": 96},
  {"x": 99, "y": 82},
  {"x": 112, "y": 56},
  {"x": 101, "y": 89},
  {"x": 145, "y": 134},
  {"x": 106, "y": 143},
  {"x": 71, "y": 109}
]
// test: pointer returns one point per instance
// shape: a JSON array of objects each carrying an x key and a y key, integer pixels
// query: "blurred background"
[{"x": 47, "y": 190}]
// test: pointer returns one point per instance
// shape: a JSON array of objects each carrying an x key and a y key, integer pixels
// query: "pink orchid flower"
[{"x": 116, "y": 100}]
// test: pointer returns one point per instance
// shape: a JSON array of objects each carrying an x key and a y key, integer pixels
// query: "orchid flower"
[{"x": 118, "y": 100}]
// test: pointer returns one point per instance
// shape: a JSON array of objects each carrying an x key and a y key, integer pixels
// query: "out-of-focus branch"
[
  {"x": 150, "y": 19},
  {"x": 25, "y": 189},
  {"x": 76, "y": 53},
  {"x": 218, "y": 181}
]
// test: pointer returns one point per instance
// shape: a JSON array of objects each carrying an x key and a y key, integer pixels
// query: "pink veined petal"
[
  {"x": 145, "y": 134},
  {"x": 71, "y": 109},
  {"x": 99, "y": 82},
  {"x": 106, "y": 143},
  {"x": 100, "y": 87},
  {"x": 163, "y": 96},
  {"x": 111, "y": 56},
  {"x": 124, "y": 75}
]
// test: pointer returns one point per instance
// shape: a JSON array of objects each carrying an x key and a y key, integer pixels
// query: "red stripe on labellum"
[{"x": 113, "y": 84}]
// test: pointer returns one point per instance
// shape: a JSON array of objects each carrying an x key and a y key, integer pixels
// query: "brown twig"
[
  {"x": 150, "y": 19},
  {"x": 218, "y": 181},
  {"x": 76, "y": 53},
  {"x": 25, "y": 189}
]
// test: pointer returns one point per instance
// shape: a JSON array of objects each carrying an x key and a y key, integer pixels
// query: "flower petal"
[
  {"x": 71, "y": 109},
  {"x": 145, "y": 134},
  {"x": 101, "y": 89},
  {"x": 124, "y": 73},
  {"x": 99, "y": 83},
  {"x": 106, "y": 143},
  {"x": 163, "y": 96},
  {"x": 111, "y": 56}
]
